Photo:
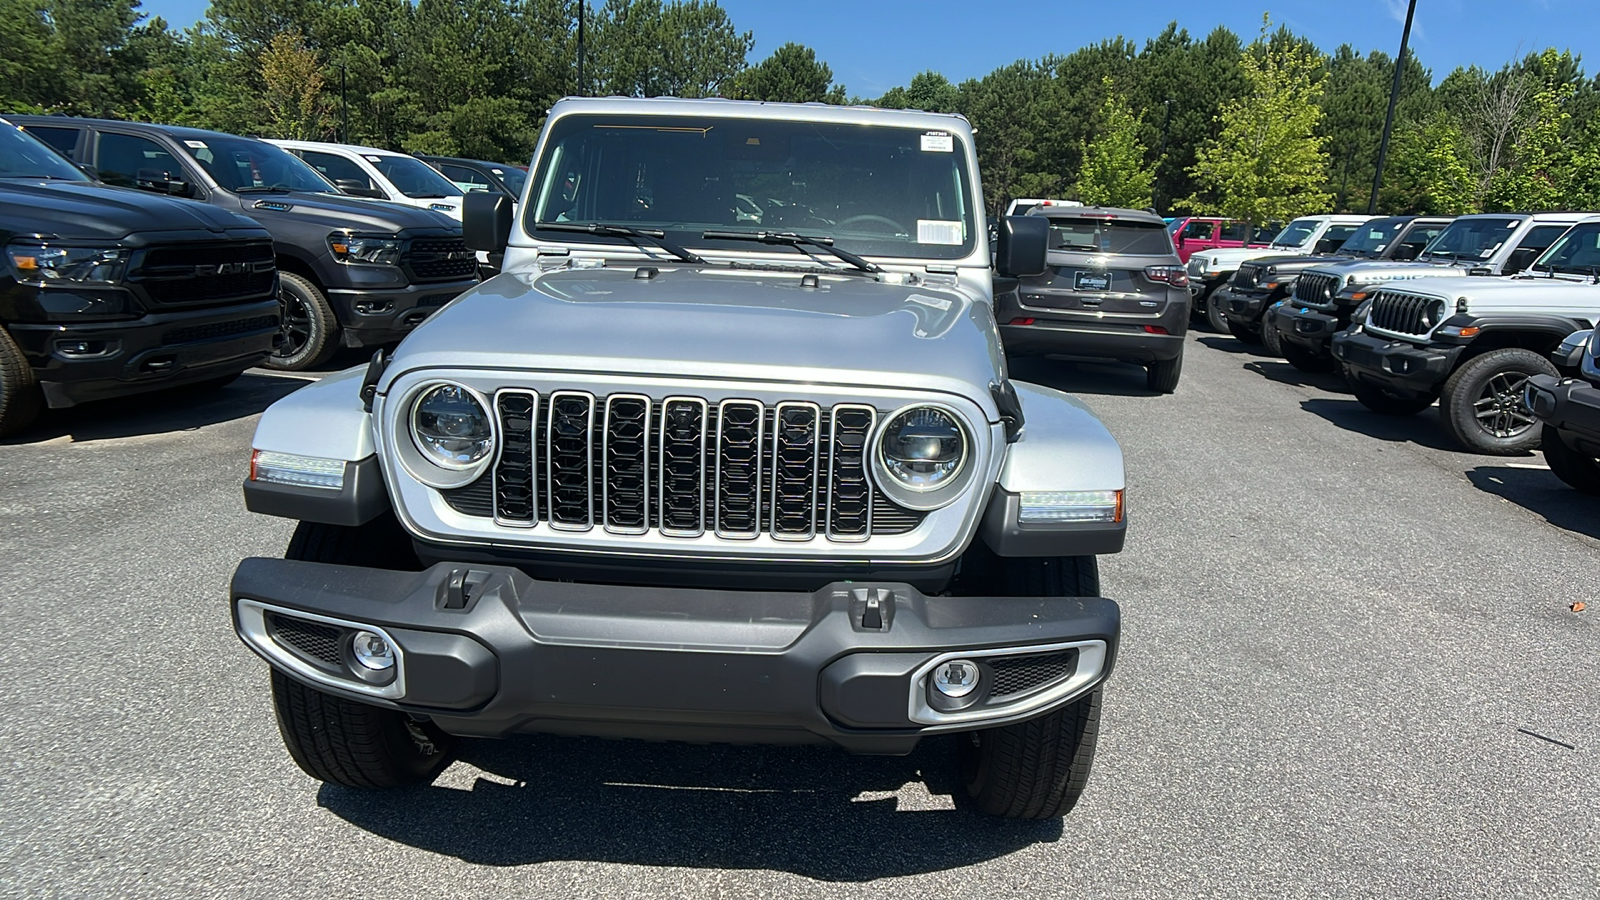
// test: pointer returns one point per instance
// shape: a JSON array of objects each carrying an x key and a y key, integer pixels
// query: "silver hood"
[
  {"x": 1372, "y": 271},
  {"x": 719, "y": 323}
]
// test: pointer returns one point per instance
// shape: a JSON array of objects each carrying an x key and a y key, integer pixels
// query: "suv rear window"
[{"x": 1110, "y": 236}]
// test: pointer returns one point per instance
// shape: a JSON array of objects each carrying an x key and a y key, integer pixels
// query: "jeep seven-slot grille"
[
  {"x": 1316, "y": 291},
  {"x": 628, "y": 464},
  {"x": 1245, "y": 278},
  {"x": 1401, "y": 313}
]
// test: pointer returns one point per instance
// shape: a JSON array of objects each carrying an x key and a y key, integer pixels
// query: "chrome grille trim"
[
  {"x": 622, "y": 450},
  {"x": 578, "y": 489},
  {"x": 675, "y": 497},
  {"x": 515, "y": 463},
  {"x": 848, "y": 473},
  {"x": 795, "y": 465},
  {"x": 738, "y": 475}
]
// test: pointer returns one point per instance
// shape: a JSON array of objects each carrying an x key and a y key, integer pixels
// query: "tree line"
[{"x": 1267, "y": 129}]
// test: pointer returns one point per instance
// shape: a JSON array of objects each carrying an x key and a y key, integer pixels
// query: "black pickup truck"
[
  {"x": 106, "y": 292},
  {"x": 353, "y": 272}
]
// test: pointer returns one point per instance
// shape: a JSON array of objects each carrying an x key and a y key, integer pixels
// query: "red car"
[{"x": 1191, "y": 234}]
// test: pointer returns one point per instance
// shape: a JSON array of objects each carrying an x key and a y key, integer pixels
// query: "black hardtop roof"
[{"x": 1097, "y": 212}]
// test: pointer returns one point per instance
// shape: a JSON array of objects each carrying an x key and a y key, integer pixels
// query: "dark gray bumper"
[
  {"x": 488, "y": 651},
  {"x": 1401, "y": 366},
  {"x": 1312, "y": 329},
  {"x": 1244, "y": 307},
  {"x": 1569, "y": 405},
  {"x": 373, "y": 316}
]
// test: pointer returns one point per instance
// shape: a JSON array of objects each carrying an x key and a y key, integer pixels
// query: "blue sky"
[{"x": 873, "y": 45}]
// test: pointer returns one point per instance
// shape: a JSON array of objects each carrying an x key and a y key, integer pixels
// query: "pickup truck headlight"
[
  {"x": 41, "y": 266},
  {"x": 365, "y": 249},
  {"x": 451, "y": 427},
  {"x": 921, "y": 460}
]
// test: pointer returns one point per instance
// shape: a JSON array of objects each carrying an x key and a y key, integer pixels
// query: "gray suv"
[{"x": 1114, "y": 289}]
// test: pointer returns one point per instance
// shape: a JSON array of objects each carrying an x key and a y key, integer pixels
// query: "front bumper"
[
  {"x": 487, "y": 651},
  {"x": 1571, "y": 406},
  {"x": 1244, "y": 308},
  {"x": 1311, "y": 329},
  {"x": 1400, "y": 366},
  {"x": 1099, "y": 340},
  {"x": 76, "y": 363},
  {"x": 369, "y": 317}
]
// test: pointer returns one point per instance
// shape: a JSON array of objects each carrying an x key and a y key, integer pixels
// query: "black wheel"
[
  {"x": 1214, "y": 316},
  {"x": 1242, "y": 333},
  {"x": 344, "y": 741},
  {"x": 1383, "y": 401},
  {"x": 1305, "y": 360},
  {"x": 1482, "y": 404},
  {"x": 20, "y": 397},
  {"x": 1271, "y": 341},
  {"x": 1035, "y": 769},
  {"x": 308, "y": 325},
  {"x": 1162, "y": 376},
  {"x": 1578, "y": 469}
]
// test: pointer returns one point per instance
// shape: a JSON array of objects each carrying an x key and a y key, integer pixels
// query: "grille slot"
[
  {"x": 738, "y": 471},
  {"x": 570, "y": 461},
  {"x": 516, "y": 500},
  {"x": 849, "y": 491},
  {"x": 1020, "y": 674},
  {"x": 1316, "y": 291},
  {"x": 682, "y": 478},
  {"x": 313, "y": 639},
  {"x": 1401, "y": 313},
  {"x": 796, "y": 454},
  {"x": 475, "y": 499},
  {"x": 625, "y": 489}
]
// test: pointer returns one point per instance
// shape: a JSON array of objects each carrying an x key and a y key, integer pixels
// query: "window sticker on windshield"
[
  {"x": 938, "y": 231},
  {"x": 938, "y": 142},
  {"x": 1379, "y": 248},
  {"x": 1489, "y": 252},
  {"x": 198, "y": 145}
]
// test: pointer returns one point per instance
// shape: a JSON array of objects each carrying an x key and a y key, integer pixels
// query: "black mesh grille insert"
[
  {"x": 849, "y": 492},
  {"x": 216, "y": 330},
  {"x": 314, "y": 639},
  {"x": 682, "y": 477},
  {"x": 794, "y": 470},
  {"x": 887, "y": 518},
  {"x": 1020, "y": 674},
  {"x": 739, "y": 468},
  {"x": 513, "y": 473},
  {"x": 570, "y": 436},
  {"x": 440, "y": 259},
  {"x": 627, "y": 464}
]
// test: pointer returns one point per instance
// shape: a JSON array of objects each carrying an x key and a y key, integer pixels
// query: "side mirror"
[
  {"x": 355, "y": 187},
  {"x": 1519, "y": 260},
  {"x": 162, "y": 183},
  {"x": 1327, "y": 245},
  {"x": 1021, "y": 250},
  {"x": 1406, "y": 252},
  {"x": 1182, "y": 239},
  {"x": 486, "y": 221}
]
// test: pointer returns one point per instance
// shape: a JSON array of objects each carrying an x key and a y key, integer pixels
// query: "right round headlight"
[
  {"x": 923, "y": 449},
  {"x": 450, "y": 427}
]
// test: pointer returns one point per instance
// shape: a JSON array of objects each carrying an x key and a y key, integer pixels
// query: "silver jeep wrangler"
[{"x": 727, "y": 453}]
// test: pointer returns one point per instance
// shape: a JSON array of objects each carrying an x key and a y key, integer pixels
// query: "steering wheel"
[{"x": 877, "y": 220}]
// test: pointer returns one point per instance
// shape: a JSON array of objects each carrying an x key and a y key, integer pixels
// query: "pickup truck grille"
[
  {"x": 1403, "y": 314},
  {"x": 1245, "y": 278},
  {"x": 439, "y": 259},
  {"x": 684, "y": 467},
  {"x": 210, "y": 274},
  {"x": 1316, "y": 291}
]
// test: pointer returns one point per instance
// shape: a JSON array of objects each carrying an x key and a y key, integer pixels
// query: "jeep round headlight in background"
[
  {"x": 1433, "y": 314},
  {"x": 923, "y": 448},
  {"x": 450, "y": 427}
]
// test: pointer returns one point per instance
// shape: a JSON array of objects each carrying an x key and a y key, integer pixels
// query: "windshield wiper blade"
[
  {"x": 791, "y": 239},
  {"x": 265, "y": 189},
  {"x": 656, "y": 236}
]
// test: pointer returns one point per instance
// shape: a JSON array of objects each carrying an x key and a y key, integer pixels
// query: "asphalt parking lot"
[{"x": 1349, "y": 669}]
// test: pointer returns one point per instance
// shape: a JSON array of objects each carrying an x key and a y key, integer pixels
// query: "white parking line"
[{"x": 1512, "y": 465}]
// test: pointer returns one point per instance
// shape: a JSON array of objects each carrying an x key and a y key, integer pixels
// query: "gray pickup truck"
[{"x": 680, "y": 474}]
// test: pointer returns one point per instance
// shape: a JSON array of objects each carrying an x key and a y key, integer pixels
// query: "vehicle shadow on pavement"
[
  {"x": 1540, "y": 492},
  {"x": 1422, "y": 429},
  {"x": 1082, "y": 377},
  {"x": 176, "y": 409},
  {"x": 1227, "y": 343},
  {"x": 812, "y": 811},
  {"x": 1284, "y": 373}
]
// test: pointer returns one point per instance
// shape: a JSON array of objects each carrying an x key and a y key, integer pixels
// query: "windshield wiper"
[
  {"x": 659, "y": 238},
  {"x": 265, "y": 189},
  {"x": 791, "y": 239}
]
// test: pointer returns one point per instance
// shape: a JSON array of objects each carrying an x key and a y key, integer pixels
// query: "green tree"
[
  {"x": 1427, "y": 172},
  {"x": 293, "y": 98},
  {"x": 688, "y": 48},
  {"x": 1006, "y": 110},
  {"x": 1355, "y": 102},
  {"x": 25, "y": 58},
  {"x": 1181, "y": 84},
  {"x": 792, "y": 74},
  {"x": 1539, "y": 172},
  {"x": 1268, "y": 161},
  {"x": 929, "y": 91},
  {"x": 1114, "y": 170}
]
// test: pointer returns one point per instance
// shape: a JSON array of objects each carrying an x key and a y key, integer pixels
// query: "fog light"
[
  {"x": 956, "y": 678},
  {"x": 372, "y": 651}
]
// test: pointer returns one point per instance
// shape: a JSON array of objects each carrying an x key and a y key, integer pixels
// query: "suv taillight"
[{"x": 1176, "y": 276}]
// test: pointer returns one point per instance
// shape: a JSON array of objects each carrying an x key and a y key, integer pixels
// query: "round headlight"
[
  {"x": 923, "y": 449},
  {"x": 450, "y": 427},
  {"x": 1433, "y": 314}
]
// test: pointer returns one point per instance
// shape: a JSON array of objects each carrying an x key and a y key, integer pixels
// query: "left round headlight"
[
  {"x": 450, "y": 427},
  {"x": 923, "y": 449}
]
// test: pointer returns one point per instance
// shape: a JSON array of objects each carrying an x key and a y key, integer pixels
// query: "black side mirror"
[
  {"x": 1021, "y": 250},
  {"x": 1406, "y": 252},
  {"x": 355, "y": 187},
  {"x": 486, "y": 221},
  {"x": 1327, "y": 245},
  {"x": 162, "y": 183},
  {"x": 1519, "y": 259}
]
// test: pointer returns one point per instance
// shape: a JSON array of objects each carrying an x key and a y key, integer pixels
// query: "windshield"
[
  {"x": 1175, "y": 224},
  {"x": 413, "y": 177},
  {"x": 1471, "y": 239},
  {"x": 25, "y": 156},
  {"x": 1372, "y": 238},
  {"x": 514, "y": 178},
  {"x": 873, "y": 189},
  {"x": 242, "y": 164},
  {"x": 1576, "y": 252},
  {"x": 1298, "y": 232},
  {"x": 1098, "y": 235}
]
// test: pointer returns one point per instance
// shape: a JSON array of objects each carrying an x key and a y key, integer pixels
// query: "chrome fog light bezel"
[
  {"x": 1088, "y": 671},
  {"x": 251, "y": 616}
]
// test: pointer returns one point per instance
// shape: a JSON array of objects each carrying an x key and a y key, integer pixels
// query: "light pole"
[
  {"x": 1394, "y": 97},
  {"x": 581, "y": 17},
  {"x": 344, "y": 107}
]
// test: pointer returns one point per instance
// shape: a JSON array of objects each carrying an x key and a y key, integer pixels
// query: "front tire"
[
  {"x": 308, "y": 323},
  {"x": 1483, "y": 406},
  {"x": 1271, "y": 341},
  {"x": 1579, "y": 470},
  {"x": 20, "y": 397},
  {"x": 1214, "y": 316},
  {"x": 344, "y": 741}
]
